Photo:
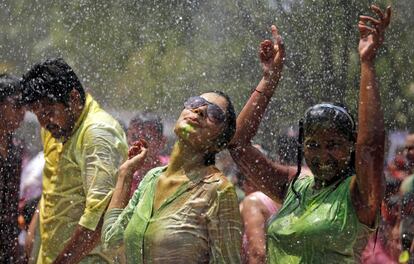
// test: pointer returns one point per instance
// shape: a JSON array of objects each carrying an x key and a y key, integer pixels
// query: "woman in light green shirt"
[
  {"x": 327, "y": 217},
  {"x": 186, "y": 212}
]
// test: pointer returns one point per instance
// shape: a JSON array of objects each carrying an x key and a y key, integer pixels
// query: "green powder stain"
[{"x": 187, "y": 130}]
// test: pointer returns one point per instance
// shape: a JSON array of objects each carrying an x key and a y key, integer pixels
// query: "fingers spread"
[
  {"x": 387, "y": 18},
  {"x": 378, "y": 11},
  {"x": 369, "y": 19},
  {"x": 365, "y": 30}
]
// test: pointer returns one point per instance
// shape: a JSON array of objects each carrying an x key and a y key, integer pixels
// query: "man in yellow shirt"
[{"x": 83, "y": 148}]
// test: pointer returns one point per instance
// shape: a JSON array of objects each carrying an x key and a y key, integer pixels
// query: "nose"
[
  {"x": 201, "y": 111},
  {"x": 325, "y": 156}
]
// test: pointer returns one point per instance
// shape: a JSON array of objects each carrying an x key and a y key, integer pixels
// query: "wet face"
[
  {"x": 409, "y": 149},
  {"x": 197, "y": 128},
  {"x": 57, "y": 118},
  {"x": 327, "y": 153},
  {"x": 11, "y": 113}
]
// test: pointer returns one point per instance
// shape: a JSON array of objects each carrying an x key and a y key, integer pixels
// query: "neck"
[
  {"x": 319, "y": 183},
  {"x": 184, "y": 157}
]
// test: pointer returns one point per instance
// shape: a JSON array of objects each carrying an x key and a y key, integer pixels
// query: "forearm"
[
  {"x": 81, "y": 243},
  {"x": 370, "y": 114},
  {"x": 249, "y": 119},
  {"x": 267, "y": 176},
  {"x": 254, "y": 221},
  {"x": 370, "y": 144},
  {"x": 122, "y": 189}
]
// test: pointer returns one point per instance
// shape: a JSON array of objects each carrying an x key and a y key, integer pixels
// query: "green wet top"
[
  {"x": 323, "y": 228},
  {"x": 199, "y": 223}
]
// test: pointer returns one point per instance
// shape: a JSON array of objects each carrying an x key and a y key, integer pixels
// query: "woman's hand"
[
  {"x": 136, "y": 157},
  {"x": 371, "y": 32},
  {"x": 272, "y": 55}
]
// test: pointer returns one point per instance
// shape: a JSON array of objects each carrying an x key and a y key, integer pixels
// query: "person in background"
[
  {"x": 255, "y": 209},
  {"x": 30, "y": 193},
  {"x": 147, "y": 126},
  {"x": 384, "y": 245},
  {"x": 407, "y": 220},
  {"x": 83, "y": 148},
  {"x": 11, "y": 116}
]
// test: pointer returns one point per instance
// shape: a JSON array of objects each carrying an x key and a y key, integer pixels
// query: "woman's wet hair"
[
  {"x": 225, "y": 137},
  {"x": 325, "y": 116},
  {"x": 330, "y": 116},
  {"x": 52, "y": 79}
]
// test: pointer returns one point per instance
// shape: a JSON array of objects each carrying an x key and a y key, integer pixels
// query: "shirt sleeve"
[
  {"x": 115, "y": 222},
  {"x": 225, "y": 228},
  {"x": 103, "y": 151}
]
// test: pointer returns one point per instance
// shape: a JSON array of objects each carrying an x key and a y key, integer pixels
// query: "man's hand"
[
  {"x": 272, "y": 55},
  {"x": 371, "y": 32}
]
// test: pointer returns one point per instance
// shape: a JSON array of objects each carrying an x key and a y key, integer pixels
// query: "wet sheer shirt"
[
  {"x": 78, "y": 179},
  {"x": 324, "y": 228},
  {"x": 200, "y": 223}
]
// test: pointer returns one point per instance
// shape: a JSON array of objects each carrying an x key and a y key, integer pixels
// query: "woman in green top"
[
  {"x": 325, "y": 218},
  {"x": 186, "y": 212}
]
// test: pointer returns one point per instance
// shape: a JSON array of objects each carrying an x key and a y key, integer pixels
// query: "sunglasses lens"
[
  {"x": 195, "y": 102},
  {"x": 215, "y": 113}
]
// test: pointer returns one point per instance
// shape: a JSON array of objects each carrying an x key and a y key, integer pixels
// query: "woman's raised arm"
[
  {"x": 368, "y": 189},
  {"x": 272, "y": 56}
]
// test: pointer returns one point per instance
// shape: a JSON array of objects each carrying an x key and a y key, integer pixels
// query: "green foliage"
[{"x": 151, "y": 55}]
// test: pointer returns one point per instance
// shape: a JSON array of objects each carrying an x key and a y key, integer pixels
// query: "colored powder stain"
[
  {"x": 404, "y": 257},
  {"x": 187, "y": 130}
]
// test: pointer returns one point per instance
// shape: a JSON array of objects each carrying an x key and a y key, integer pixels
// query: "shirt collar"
[
  {"x": 81, "y": 118},
  {"x": 87, "y": 106}
]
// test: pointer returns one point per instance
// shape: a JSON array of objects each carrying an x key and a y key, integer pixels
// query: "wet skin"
[
  {"x": 327, "y": 153},
  {"x": 409, "y": 149},
  {"x": 196, "y": 129}
]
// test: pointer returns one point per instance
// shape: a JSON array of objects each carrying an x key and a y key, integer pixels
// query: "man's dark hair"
[
  {"x": 9, "y": 85},
  {"x": 53, "y": 80}
]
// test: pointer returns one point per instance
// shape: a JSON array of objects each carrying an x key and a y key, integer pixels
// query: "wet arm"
[
  {"x": 254, "y": 220},
  {"x": 81, "y": 243},
  {"x": 267, "y": 176},
  {"x": 368, "y": 190},
  {"x": 249, "y": 119}
]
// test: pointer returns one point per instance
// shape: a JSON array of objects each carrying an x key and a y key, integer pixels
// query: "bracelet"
[{"x": 260, "y": 92}]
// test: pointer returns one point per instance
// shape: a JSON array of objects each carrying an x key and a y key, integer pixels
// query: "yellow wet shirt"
[{"x": 78, "y": 179}]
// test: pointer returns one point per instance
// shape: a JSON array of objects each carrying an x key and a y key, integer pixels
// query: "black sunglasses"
[{"x": 214, "y": 112}]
